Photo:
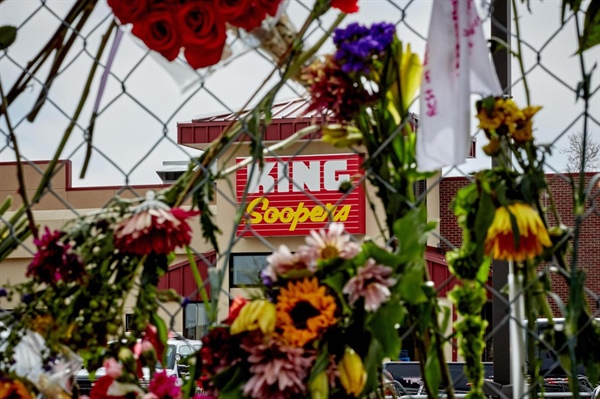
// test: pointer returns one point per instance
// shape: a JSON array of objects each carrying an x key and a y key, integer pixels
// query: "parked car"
[{"x": 176, "y": 349}]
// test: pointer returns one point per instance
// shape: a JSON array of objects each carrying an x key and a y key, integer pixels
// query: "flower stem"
[
  {"x": 20, "y": 175},
  {"x": 519, "y": 53},
  {"x": 49, "y": 172}
]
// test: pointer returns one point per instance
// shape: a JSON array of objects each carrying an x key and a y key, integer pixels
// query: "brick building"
[{"x": 562, "y": 193}]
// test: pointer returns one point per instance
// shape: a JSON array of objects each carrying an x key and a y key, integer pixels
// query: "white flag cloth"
[{"x": 457, "y": 64}]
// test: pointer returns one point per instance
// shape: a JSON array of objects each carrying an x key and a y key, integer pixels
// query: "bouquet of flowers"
[{"x": 326, "y": 319}]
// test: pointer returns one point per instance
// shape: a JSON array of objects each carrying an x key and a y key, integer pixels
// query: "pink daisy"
[
  {"x": 371, "y": 283},
  {"x": 281, "y": 262},
  {"x": 328, "y": 244}
]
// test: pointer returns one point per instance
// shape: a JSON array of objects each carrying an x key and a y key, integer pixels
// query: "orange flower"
[
  {"x": 13, "y": 389},
  {"x": 533, "y": 235},
  {"x": 304, "y": 311}
]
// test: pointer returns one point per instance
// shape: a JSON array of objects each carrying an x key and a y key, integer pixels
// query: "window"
[
  {"x": 128, "y": 321},
  {"x": 196, "y": 320},
  {"x": 244, "y": 269}
]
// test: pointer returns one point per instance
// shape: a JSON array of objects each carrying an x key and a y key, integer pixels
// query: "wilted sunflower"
[
  {"x": 304, "y": 311},
  {"x": 533, "y": 235}
]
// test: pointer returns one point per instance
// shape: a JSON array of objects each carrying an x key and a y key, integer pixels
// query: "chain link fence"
[{"x": 141, "y": 120}]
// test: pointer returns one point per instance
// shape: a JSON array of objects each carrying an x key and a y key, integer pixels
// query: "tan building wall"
[{"x": 53, "y": 212}]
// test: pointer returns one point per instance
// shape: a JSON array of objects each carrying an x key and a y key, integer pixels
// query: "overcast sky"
[{"x": 136, "y": 130}]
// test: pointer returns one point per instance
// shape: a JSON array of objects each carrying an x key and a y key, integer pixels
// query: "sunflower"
[
  {"x": 533, "y": 235},
  {"x": 304, "y": 310},
  {"x": 504, "y": 113},
  {"x": 523, "y": 131}
]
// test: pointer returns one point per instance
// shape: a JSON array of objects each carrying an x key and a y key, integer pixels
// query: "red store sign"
[{"x": 290, "y": 196}]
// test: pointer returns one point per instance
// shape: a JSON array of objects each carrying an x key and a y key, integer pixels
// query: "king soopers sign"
[{"x": 290, "y": 196}]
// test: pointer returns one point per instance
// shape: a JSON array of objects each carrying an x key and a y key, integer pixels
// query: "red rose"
[
  {"x": 128, "y": 11},
  {"x": 270, "y": 6},
  {"x": 232, "y": 9},
  {"x": 201, "y": 24},
  {"x": 203, "y": 33},
  {"x": 158, "y": 31},
  {"x": 347, "y": 6},
  {"x": 161, "y": 4},
  {"x": 251, "y": 19},
  {"x": 202, "y": 57}
]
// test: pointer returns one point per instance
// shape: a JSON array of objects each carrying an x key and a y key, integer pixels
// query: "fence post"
[{"x": 501, "y": 28}]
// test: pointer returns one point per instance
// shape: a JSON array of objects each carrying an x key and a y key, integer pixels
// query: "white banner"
[{"x": 457, "y": 64}]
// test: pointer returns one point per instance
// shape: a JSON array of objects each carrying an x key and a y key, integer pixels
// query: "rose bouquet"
[
  {"x": 199, "y": 28},
  {"x": 326, "y": 319}
]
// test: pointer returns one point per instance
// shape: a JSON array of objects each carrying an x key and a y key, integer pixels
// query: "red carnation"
[
  {"x": 99, "y": 391},
  {"x": 158, "y": 31},
  {"x": 128, "y": 11},
  {"x": 154, "y": 228},
  {"x": 54, "y": 260},
  {"x": 347, "y": 6}
]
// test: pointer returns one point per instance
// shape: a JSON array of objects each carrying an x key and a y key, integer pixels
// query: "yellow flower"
[
  {"x": 493, "y": 147},
  {"x": 342, "y": 136},
  {"x": 319, "y": 386},
  {"x": 42, "y": 323},
  {"x": 13, "y": 389},
  {"x": 523, "y": 130},
  {"x": 352, "y": 373},
  {"x": 505, "y": 113},
  {"x": 257, "y": 314},
  {"x": 533, "y": 235},
  {"x": 304, "y": 310},
  {"x": 411, "y": 70}
]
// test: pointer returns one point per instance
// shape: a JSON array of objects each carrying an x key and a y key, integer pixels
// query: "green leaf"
[
  {"x": 433, "y": 374},
  {"x": 162, "y": 332},
  {"x": 573, "y": 4},
  {"x": 591, "y": 28},
  {"x": 381, "y": 256},
  {"x": 483, "y": 274},
  {"x": 8, "y": 35},
  {"x": 383, "y": 327},
  {"x": 484, "y": 217},
  {"x": 231, "y": 381},
  {"x": 321, "y": 363},
  {"x": 372, "y": 364},
  {"x": 410, "y": 283},
  {"x": 410, "y": 232}
]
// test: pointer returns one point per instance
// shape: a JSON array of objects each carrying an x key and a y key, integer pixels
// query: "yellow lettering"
[
  {"x": 260, "y": 211},
  {"x": 316, "y": 212},
  {"x": 271, "y": 215},
  {"x": 256, "y": 217},
  {"x": 287, "y": 214},
  {"x": 343, "y": 214},
  {"x": 301, "y": 215}
]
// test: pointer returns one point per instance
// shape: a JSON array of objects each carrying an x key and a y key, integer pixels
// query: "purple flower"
[
  {"x": 54, "y": 261},
  {"x": 357, "y": 45},
  {"x": 3, "y": 292}
]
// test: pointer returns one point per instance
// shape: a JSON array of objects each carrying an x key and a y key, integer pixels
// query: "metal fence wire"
[{"x": 85, "y": 99}]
